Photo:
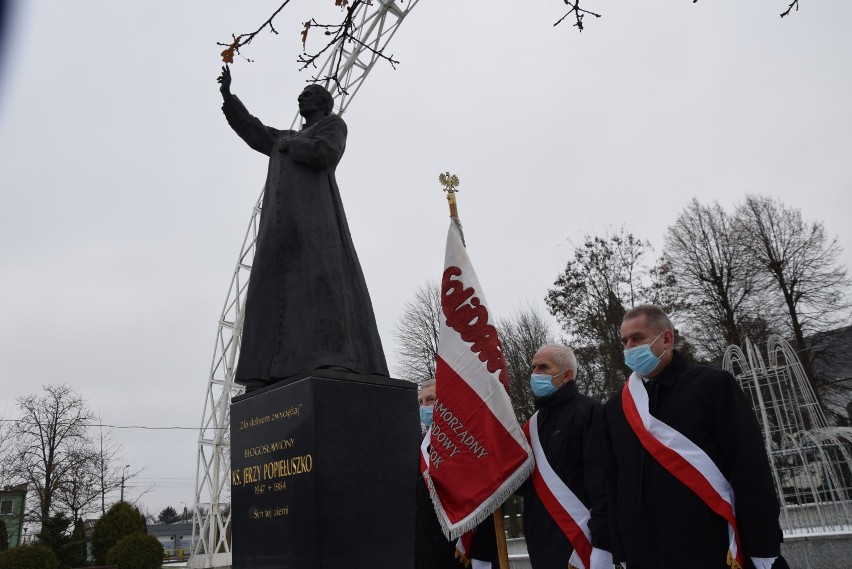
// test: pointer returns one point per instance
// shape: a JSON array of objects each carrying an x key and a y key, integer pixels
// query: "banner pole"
[{"x": 500, "y": 533}]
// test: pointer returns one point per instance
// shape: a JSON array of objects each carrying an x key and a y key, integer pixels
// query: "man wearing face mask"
[
  {"x": 686, "y": 446},
  {"x": 569, "y": 430}
]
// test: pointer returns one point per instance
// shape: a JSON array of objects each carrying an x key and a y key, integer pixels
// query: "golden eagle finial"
[{"x": 450, "y": 183}]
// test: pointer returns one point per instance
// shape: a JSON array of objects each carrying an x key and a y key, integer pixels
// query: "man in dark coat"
[
  {"x": 571, "y": 431},
  {"x": 657, "y": 521},
  {"x": 307, "y": 305}
]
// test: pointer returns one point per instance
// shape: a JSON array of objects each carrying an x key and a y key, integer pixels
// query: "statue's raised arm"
[{"x": 256, "y": 134}]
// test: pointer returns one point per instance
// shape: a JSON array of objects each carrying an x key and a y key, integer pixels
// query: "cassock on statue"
[{"x": 307, "y": 304}]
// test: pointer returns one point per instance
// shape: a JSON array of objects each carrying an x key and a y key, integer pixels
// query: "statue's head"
[{"x": 315, "y": 97}]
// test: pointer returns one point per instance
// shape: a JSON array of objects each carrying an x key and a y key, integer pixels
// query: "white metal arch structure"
[
  {"x": 811, "y": 461},
  {"x": 376, "y": 24}
]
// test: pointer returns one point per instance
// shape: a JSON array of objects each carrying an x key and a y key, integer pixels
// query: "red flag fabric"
[{"x": 477, "y": 453}]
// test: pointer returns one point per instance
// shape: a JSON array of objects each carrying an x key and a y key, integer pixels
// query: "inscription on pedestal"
[
  {"x": 323, "y": 474},
  {"x": 273, "y": 479}
]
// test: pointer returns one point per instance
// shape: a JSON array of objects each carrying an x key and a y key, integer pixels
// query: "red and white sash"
[
  {"x": 685, "y": 460},
  {"x": 424, "y": 454},
  {"x": 569, "y": 513}
]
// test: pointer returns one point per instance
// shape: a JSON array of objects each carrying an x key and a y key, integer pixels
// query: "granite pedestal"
[{"x": 323, "y": 473}]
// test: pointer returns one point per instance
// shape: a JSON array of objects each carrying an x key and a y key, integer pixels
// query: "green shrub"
[
  {"x": 137, "y": 551},
  {"x": 121, "y": 520},
  {"x": 36, "y": 556}
]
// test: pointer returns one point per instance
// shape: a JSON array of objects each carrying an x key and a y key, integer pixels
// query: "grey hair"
[
  {"x": 655, "y": 317},
  {"x": 427, "y": 383},
  {"x": 563, "y": 356}
]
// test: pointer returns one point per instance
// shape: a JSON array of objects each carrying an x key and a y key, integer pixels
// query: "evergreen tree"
[
  {"x": 54, "y": 534},
  {"x": 168, "y": 516},
  {"x": 76, "y": 552},
  {"x": 121, "y": 520}
]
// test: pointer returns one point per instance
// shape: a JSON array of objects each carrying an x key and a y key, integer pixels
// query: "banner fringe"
[{"x": 487, "y": 508}]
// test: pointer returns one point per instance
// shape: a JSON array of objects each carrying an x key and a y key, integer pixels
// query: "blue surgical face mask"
[
  {"x": 542, "y": 384},
  {"x": 641, "y": 359},
  {"x": 426, "y": 414}
]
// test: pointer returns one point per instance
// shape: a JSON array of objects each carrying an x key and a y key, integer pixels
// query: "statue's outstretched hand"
[{"x": 224, "y": 81}]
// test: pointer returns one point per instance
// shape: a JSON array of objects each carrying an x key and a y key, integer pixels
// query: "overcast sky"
[{"x": 124, "y": 195}]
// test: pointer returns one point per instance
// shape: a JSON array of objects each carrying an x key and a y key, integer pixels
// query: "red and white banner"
[
  {"x": 477, "y": 454},
  {"x": 685, "y": 460}
]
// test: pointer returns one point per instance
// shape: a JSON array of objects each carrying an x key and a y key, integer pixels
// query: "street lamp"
[{"x": 123, "y": 470}]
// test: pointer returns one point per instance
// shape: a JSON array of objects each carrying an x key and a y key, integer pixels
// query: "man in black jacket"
[
  {"x": 657, "y": 521},
  {"x": 571, "y": 433}
]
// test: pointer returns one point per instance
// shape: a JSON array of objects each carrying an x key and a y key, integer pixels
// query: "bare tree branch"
[
  {"x": 49, "y": 436},
  {"x": 340, "y": 33},
  {"x": 243, "y": 40},
  {"x": 417, "y": 333},
  {"x": 578, "y": 12},
  {"x": 793, "y": 4},
  {"x": 337, "y": 34},
  {"x": 725, "y": 297},
  {"x": 344, "y": 31}
]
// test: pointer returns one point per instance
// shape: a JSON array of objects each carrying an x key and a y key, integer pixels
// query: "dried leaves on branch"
[
  {"x": 343, "y": 32},
  {"x": 243, "y": 40}
]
